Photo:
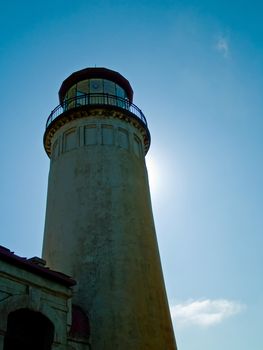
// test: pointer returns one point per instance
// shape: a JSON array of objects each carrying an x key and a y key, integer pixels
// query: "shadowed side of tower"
[{"x": 99, "y": 225}]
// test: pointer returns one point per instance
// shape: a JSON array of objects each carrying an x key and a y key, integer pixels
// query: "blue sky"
[{"x": 196, "y": 70}]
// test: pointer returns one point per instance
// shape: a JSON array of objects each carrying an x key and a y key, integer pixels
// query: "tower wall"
[{"x": 99, "y": 229}]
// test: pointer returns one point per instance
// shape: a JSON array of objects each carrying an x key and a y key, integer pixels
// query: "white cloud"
[
  {"x": 204, "y": 313},
  {"x": 222, "y": 46}
]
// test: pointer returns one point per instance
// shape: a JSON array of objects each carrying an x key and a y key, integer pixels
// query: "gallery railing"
[{"x": 95, "y": 99}]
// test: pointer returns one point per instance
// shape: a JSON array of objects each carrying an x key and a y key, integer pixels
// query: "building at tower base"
[{"x": 36, "y": 307}]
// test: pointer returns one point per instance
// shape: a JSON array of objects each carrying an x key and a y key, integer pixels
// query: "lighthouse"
[{"x": 99, "y": 226}]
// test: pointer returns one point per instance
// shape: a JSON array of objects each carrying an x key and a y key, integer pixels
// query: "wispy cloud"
[
  {"x": 222, "y": 46},
  {"x": 204, "y": 313}
]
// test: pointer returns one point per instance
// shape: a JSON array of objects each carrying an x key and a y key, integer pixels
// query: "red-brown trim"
[{"x": 26, "y": 264}]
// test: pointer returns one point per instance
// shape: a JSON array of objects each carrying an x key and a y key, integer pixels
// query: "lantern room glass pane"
[
  {"x": 81, "y": 99},
  {"x": 72, "y": 92},
  {"x": 69, "y": 102},
  {"x": 119, "y": 91},
  {"x": 83, "y": 87},
  {"x": 96, "y": 86},
  {"x": 109, "y": 87}
]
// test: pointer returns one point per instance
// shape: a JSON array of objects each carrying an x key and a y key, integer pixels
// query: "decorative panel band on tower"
[{"x": 90, "y": 134}]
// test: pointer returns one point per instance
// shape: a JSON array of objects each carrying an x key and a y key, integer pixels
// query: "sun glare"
[{"x": 152, "y": 174}]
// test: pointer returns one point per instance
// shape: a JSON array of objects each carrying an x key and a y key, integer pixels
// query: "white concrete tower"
[{"x": 99, "y": 225}]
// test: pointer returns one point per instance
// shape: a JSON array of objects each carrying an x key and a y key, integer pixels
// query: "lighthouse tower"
[{"x": 99, "y": 225}]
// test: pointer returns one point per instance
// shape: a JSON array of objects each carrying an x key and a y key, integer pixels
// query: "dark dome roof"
[{"x": 99, "y": 73}]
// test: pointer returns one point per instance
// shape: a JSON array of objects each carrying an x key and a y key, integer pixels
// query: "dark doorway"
[{"x": 28, "y": 330}]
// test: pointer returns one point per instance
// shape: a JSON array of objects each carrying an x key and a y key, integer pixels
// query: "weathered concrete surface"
[{"x": 99, "y": 229}]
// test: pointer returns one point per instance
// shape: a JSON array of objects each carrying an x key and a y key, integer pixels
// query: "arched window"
[
  {"x": 28, "y": 330},
  {"x": 80, "y": 327}
]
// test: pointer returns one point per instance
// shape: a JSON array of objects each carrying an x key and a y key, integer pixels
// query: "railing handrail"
[{"x": 96, "y": 99}]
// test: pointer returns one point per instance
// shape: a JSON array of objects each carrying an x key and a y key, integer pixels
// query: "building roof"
[{"x": 36, "y": 266}]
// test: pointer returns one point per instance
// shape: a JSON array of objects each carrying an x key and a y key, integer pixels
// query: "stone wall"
[{"x": 27, "y": 286}]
